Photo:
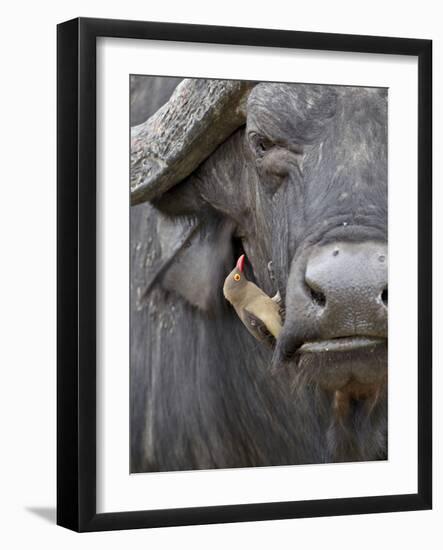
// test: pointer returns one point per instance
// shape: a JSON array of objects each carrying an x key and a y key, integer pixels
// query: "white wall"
[{"x": 27, "y": 272}]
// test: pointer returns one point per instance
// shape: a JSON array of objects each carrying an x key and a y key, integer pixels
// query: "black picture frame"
[{"x": 76, "y": 266}]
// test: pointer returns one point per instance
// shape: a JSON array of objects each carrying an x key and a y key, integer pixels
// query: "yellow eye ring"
[{"x": 237, "y": 277}]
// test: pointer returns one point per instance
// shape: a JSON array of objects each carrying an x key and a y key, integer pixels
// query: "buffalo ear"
[
  {"x": 175, "y": 250},
  {"x": 182, "y": 200},
  {"x": 199, "y": 268},
  {"x": 155, "y": 241}
]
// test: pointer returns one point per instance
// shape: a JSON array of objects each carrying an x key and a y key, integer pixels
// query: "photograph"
[
  {"x": 258, "y": 273},
  {"x": 204, "y": 205}
]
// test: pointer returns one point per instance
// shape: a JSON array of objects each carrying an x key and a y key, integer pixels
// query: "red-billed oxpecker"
[{"x": 258, "y": 312}]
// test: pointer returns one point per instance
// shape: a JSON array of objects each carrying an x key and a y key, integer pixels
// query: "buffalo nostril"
[
  {"x": 317, "y": 296},
  {"x": 384, "y": 296}
]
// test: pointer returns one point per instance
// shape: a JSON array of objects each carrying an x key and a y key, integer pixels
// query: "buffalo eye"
[{"x": 260, "y": 144}]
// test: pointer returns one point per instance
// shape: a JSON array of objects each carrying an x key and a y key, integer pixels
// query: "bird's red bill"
[{"x": 241, "y": 263}]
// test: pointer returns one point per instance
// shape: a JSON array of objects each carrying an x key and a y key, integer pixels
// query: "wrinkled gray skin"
[{"x": 303, "y": 184}]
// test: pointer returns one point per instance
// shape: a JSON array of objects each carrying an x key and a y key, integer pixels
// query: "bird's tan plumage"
[{"x": 257, "y": 311}]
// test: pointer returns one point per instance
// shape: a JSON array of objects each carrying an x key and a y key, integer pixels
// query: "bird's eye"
[{"x": 237, "y": 277}]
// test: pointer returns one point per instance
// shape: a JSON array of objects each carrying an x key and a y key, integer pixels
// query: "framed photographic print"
[{"x": 232, "y": 205}]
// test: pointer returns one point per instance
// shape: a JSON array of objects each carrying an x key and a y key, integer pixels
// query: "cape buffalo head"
[{"x": 294, "y": 175}]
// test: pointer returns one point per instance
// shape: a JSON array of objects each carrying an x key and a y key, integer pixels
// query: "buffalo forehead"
[
  {"x": 290, "y": 112},
  {"x": 300, "y": 112}
]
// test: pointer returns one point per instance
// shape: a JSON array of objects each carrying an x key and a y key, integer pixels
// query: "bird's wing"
[
  {"x": 268, "y": 311},
  {"x": 258, "y": 328}
]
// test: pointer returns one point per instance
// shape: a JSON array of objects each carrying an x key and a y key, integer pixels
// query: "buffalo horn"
[{"x": 172, "y": 143}]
